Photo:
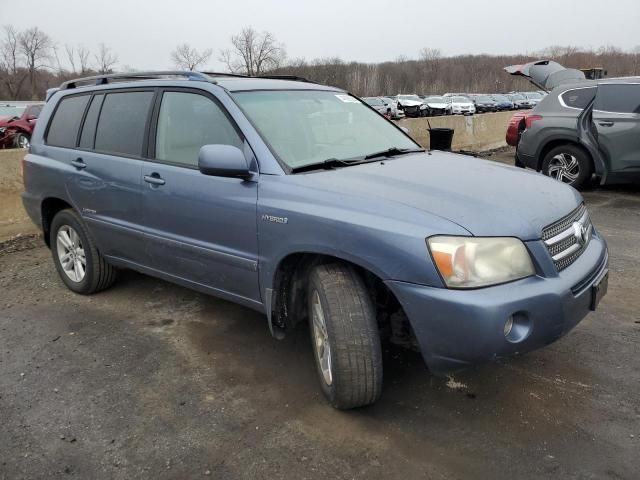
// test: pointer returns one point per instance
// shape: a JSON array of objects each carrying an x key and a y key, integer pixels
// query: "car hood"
[
  {"x": 438, "y": 105},
  {"x": 546, "y": 74},
  {"x": 410, "y": 103},
  {"x": 462, "y": 104},
  {"x": 484, "y": 197}
]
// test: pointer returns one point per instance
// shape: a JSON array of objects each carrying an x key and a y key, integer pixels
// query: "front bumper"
[{"x": 457, "y": 328}]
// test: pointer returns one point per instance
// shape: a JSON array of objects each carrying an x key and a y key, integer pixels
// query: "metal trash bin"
[{"x": 440, "y": 138}]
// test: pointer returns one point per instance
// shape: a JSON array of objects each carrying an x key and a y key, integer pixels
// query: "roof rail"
[
  {"x": 295, "y": 78},
  {"x": 108, "y": 78},
  {"x": 226, "y": 74},
  {"x": 268, "y": 76}
]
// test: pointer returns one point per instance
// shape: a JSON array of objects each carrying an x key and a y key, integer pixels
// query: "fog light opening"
[{"x": 517, "y": 327}]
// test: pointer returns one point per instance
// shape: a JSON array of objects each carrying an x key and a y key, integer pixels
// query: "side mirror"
[{"x": 223, "y": 161}]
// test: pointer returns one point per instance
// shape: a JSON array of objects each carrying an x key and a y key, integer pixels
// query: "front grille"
[{"x": 567, "y": 238}]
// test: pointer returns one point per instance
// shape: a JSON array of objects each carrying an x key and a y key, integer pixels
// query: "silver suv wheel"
[
  {"x": 71, "y": 253},
  {"x": 321, "y": 339},
  {"x": 564, "y": 167}
]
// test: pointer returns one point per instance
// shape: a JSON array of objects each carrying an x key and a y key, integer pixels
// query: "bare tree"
[
  {"x": 253, "y": 53},
  {"x": 105, "y": 59},
  {"x": 10, "y": 62},
  {"x": 35, "y": 46},
  {"x": 189, "y": 58},
  {"x": 430, "y": 54},
  {"x": 78, "y": 58}
]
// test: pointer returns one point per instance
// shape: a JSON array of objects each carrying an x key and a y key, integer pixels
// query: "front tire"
[
  {"x": 22, "y": 140},
  {"x": 568, "y": 164},
  {"x": 344, "y": 335},
  {"x": 78, "y": 262}
]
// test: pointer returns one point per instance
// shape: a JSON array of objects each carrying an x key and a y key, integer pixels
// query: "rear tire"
[
  {"x": 342, "y": 321},
  {"x": 78, "y": 262},
  {"x": 568, "y": 164}
]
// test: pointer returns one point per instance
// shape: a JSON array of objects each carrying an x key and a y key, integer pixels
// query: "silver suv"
[{"x": 583, "y": 128}]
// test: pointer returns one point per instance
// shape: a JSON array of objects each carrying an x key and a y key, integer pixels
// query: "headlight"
[{"x": 472, "y": 262}]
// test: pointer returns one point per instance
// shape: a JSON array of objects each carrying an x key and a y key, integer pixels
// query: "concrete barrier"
[
  {"x": 13, "y": 219},
  {"x": 476, "y": 133}
]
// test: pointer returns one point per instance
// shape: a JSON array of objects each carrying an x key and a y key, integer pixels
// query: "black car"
[{"x": 484, "y": 103}]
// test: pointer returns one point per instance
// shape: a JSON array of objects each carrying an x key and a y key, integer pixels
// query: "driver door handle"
[
  {"x": 78, "y": 163},
  {"x": 154, "y": 179},
  {"x": 606, "y": 124}
]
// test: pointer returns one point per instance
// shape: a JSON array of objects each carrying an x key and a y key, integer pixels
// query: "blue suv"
[{"x": 300, "y": 201}]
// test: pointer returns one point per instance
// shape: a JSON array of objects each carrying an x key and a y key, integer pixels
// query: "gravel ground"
[{"x": 150, "y": 380}]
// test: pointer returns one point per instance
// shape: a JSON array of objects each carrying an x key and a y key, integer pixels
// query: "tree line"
[{"x": 31, "y": 61}]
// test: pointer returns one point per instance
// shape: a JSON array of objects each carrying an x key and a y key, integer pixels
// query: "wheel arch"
[
  {"x": 49, "y": 207},
  {"x": 557, "y": 142},
  {"x": 286, "y": 306}
]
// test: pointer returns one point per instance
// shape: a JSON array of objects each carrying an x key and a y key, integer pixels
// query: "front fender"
[{"x": 382, "y": 237}]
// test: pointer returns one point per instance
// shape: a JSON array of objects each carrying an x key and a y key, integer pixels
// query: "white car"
[
  {"x": 392, "y": 103},
  {"x": 438, "y": 105},
  {"x": 462, "y": 105},
  {"x": 412, "y": 105}
]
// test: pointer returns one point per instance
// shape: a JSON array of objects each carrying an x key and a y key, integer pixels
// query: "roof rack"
[
  {"x": 270, "y": 77},
  {"x": 108, "y": 78},
  {"x": 295, "y": 78}
]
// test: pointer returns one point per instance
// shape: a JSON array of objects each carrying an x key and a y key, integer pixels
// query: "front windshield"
[
  {"x": 415, "y": 98},
  {"x": 436, "y": 100},
  {"x": 500, "y": 98},
  {"x": 304, "y": 127},
  {"x": 11, "y": 111},
  {"x": 460, "y": 100},
  {"x": 483, "y": 98}
]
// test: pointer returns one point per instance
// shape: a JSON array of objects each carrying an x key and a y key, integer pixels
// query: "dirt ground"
[{"x": 150, "y": 380}]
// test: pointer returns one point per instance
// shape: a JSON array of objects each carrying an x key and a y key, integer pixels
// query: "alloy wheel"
[
  {"x": 564, "y": 167},
  {"x": 71, "y": 253},
  {"x": 321, "y": 339}
]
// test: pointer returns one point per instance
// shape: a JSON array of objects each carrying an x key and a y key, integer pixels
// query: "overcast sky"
[{"x": 143, "y": 32}]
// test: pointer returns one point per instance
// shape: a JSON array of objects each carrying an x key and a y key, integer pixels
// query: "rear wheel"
[
  {"x": 345, "y": 337},
  {"x": 80, "y": 266},
  {"x": 22, "y": 140},
  {"x": 568, "y": 164}
]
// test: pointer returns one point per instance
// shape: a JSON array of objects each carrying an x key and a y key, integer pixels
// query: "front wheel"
[
  {"x": 345, "y": 337},
  {"x": 22, "y": 140},
  {"x": 568, "y": 164}
]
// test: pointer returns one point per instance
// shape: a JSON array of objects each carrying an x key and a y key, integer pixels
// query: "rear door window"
[
  {"x": 579, "y": 97},
  {"x": 63, "y": 130},
  {"x": 122, "y": 124},
  {"x": 618, "y": 98},
  {"x": 186, "y": 122}
]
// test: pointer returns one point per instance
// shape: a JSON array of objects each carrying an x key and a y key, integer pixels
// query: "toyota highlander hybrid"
[{"x": 300, "y": 201}]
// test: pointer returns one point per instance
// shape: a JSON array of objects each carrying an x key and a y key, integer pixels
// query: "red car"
[{"x": 17, "y": 122}]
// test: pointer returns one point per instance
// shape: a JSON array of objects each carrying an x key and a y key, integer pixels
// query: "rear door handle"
[
  {"x": 78, "y": 163},
  {"x": 154, "y": 179},
  {"x": 606, "y": 124}
]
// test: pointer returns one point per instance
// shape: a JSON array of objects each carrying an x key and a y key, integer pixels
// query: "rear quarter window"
[
  {"x": 63, "y": 130},
  {"x": 122, "y": 123},
  {"x": 579, "y": 97},
  {"x": 618, "y": 98}
]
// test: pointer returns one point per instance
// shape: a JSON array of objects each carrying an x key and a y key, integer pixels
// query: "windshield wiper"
[
  {"x": 328, "y": 163},
  {"x": 392, "y": 152}
]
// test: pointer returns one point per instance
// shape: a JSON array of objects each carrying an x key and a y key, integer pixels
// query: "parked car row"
[
  {"x": 412, "y": 105},
  {"x": 583, "y": 130},
  {"x": 17, "y": 121}
]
